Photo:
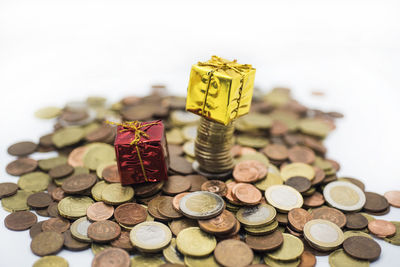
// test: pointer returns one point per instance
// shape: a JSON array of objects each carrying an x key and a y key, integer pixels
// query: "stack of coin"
[
  {"x": 212, "y": 147},
  {"x": 273, "y": 209}
]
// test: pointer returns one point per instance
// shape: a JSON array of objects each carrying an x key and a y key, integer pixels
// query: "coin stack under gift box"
[{"x": 284, "y": 203}]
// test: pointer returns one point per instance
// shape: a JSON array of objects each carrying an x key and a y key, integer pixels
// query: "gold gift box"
[{"x": 220, "y": 90}]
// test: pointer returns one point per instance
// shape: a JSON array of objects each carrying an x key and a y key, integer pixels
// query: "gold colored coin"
[
  {"x": 47, "y": 164},
  {"x": 171, "y": 254},
  {"x": 262, "y": 230},
  {"x": 204, "y": 245},
  {"x": 314, "y": 127},
  {"x": 34, "y": 181},
  {"x": 254, "y": 156},
  {"x": 323, "y": 234},
  {"x": 150, "y": 236},
  {"x": 297, "y": 169},
  {"x": 188, "y": 148},
  {"x": 344, "y": 196},
  {"x": 348, "y": 234},
  {"x": 339, "y": 258},
  {"x": 276, "y": 263},
  {"x": 96, "y": 248},
  {"x": 283, "y": 197},
  {"x": 175, "y": 137},
  {"x": 270, "y": 180},
  {"x": 395, "y": 240},
  {"x": 208, "y": 261},
  {"x": 47, "y": 112},
  {"x": 259, "y": 215},
  {"x": 97, "y": 190},
  {"x": 74, "y": 207},
  {"x": 147, "y": 260},
  {"x": 16, "y": 202},
  {"x": 102, "y": 166},
  {"x": 79, "y": 229},
  {"x": 115, "y": 194},
  {"x": 98, "y": 153},
  {"x": 252, "y": 141},
  {"x": 51, "y": 261},
  {"x": 291, "y": 249},
  {"x": 67, "y": 136}
]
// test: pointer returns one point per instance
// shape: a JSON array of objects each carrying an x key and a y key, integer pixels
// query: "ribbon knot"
[{"x": 137, "y": 128}]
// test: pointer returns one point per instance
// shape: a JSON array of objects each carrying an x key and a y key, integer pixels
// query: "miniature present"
[
  {"x": 141, "y": 152},
  {"x": 220, "y": 90}
]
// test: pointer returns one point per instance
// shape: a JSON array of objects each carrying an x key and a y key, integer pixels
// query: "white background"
[{"x": 55, "y": 51}]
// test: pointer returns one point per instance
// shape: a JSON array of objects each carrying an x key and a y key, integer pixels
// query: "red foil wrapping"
[{"x": 153, "y": 154}]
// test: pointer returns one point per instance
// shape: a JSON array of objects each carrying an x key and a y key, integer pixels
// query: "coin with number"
[
  {"x": 150, "y": 236},
  {"x": 201, "y": 205}
]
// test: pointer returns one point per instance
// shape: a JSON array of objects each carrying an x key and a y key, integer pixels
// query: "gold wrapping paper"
[{"x": 220, "y": 90}]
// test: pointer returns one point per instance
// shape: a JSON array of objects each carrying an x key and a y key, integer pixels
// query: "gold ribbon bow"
[
  {"x": 136, "y": 127},
  {"x": 221, "y": 64}
]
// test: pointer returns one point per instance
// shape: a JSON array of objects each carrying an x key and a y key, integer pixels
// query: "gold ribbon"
[
  {"x": 222, "y": 64},
  {"x": 136, "y": 127}
]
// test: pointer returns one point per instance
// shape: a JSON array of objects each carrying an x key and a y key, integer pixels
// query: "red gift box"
[{"x": 141, "y": 152}]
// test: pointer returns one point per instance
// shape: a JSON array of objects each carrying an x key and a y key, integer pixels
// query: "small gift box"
[
  {"x": 141, "y": 152},
  {"x": 220, "y": 90}
]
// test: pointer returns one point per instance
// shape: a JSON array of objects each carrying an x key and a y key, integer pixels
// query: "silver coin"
[
  {"x": 79, "y": 229},
  {"x": 201, "y": 205}
]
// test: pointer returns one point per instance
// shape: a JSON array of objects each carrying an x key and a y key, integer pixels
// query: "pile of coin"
[
  {"x": 212, "y": 147},
  {"x": 283, "y": 205}
]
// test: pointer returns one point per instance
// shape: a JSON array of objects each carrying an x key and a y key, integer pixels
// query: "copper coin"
[
  {"x": 315, "y": 200},
  {"x": 282, "y": 218},
  {"x": 232, "y": 234},
  {"x": 78, "y": 183},
  {"x": 247, "y": 193},
  {"x": 58, "y": 194},
  {"x": 249, "y": 171},
  {"x": 175, "y": 150},
  {"x": 35, "y": 229},
  {"x": 393, "y": 197},
  {"x": 71, "y": 243},
  {"x": 21, "y": 166},
  {"x": 215, "y": 186},
  {"x": 196, "y": 181},
  {"x": 301, "y": 154},
  {"x": 130, "y": 214},
  {"x": 178, "y": 225},
  {"x": 278, "y": 128},
  {"x": 112, "y": 257},
  {"x": 356, "y": 221},
  {"x": 39, "y": 200},
  {"x": 147, "y": 189},
  {"x": 334, "y": 163},
  {"x": 330, "y": 214},
  {"x": 22, "y": 148},
  {"x": 43, "y": 212},
  {"x": 99, "y": 211},
  {"x": 233, "y": 253},
  {"x": 276, "y": 152},
  {"x": 104, "y": 231},
  {"x": 361, "y": 247},
  {"x": 75, "y": 158},
  {"x": 20, "y": 220},
  {"x": 319, "y": 176},
  {"x": 382, "y": 228},
  {"x": 100, "y": 134},
  {"x": 180, "y": 165},
  {"x": 355, "y": 182},
  {"x": 166, "y": 208},
  {"x": 46, "y": 140},
  {"x": 123, "y": 241},
  {"x": 265, "y": 243},
  {"x": 59, "y": 225},
  {"x": 375, "y": 202},
  {"x": 379, "y": 213},
  {"x": 61, "y": 171},
  {"x": 51, "y": 187},
  {"x": 177, "y": 199},
  {"x": 52, "y": 210},
  {"x": 176, "y": 184},
  {"x": 298, "y": 217},
  {"x": 153, "y": 209},
  {"x": 293, "y": 232},
  {"x": 111, "y": 174},
  {"x": 146, "y": 200},
  {"x": 47, "y": 243},
  {"x": 307, "y": 259},
  {"x": 222, "y": 224},
  {"x": 8, "y": 189},
  {"x": 229, "y": 194},
  {"x": 301, "y": 184}
]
